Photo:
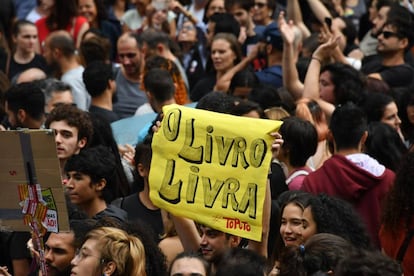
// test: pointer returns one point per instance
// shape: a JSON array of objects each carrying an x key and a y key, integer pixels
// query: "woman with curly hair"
[
  {"x": 398, "y": 217},
  {"x": 325, "y": 214},
  {"x": 110, "y": 251},
  {"x": 318, "y": 256}
]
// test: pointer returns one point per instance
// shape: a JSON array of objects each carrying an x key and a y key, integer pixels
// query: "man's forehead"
[
  {"x": 127, "y": 41},
  {"x": 63, "y": 125},
  {"x": 389, "y": 27},
  {"x": 61, "y": 239},
  {"x": 209, "y": 229},
  {"x": 384, "y": 10}
]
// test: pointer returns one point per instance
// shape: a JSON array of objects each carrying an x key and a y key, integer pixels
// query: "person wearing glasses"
[
  {"x": 263, "y": 11},
  {"x": 128, "y": 77},
  {"x": 110, "y": 251},
  {"x": 394, "y": 40}
]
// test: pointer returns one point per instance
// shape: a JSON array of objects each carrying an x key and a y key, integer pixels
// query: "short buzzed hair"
[
  {"x": 96, "y": 76},
  {"x": 63, "y": 41},
  {"x": 27, "y": 96},
  {"x": 348, "y": 124},
  {"x": 159, "y": 83},
  {"x": 50, "y": 86}
]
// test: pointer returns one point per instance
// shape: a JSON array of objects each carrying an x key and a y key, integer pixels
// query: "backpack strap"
[{"x": 404, "y": 246}]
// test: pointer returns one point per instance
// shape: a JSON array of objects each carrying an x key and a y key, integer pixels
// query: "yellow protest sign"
[{"x": 212, "y": 168}]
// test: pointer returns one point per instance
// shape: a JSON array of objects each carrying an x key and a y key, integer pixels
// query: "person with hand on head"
[{"x": 225, "y": 54}]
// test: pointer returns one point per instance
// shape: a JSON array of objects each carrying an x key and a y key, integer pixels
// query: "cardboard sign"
[
  {"x": 25, "y": 155},
  {"x": 212, "y": 168}
]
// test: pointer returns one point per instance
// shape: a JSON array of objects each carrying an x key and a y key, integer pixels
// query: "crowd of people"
[{"x": 339, "y": 74}]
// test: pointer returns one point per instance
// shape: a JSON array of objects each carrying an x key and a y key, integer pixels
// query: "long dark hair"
[
  {"x": 62, "y": 13},
  {"x": 399, "y": 204},
  {"x": 234, "y": 44}
]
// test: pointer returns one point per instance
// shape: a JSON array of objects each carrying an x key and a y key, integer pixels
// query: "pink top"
[{"x": 295, "y": 179}]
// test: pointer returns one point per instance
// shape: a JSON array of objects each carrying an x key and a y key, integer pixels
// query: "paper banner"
[{"x": 212, "y": 168}]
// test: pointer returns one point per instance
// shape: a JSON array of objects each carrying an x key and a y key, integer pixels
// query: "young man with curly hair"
[{"x": 73, "y": 130}]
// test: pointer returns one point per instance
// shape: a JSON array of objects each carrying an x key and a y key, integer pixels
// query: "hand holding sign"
[{"x": 213, "y": 171}]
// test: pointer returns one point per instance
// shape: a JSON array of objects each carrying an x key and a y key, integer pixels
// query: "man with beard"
[
  {"x": 25, "y": 104},
  {"x": 128, "y": 77},
  {"x": 59, "y": 251},
  {"x": 100, "y": 83},
  {"x": 378, "y": 15},
  {"x": 394, "y": 40},
  {"x": 59, "y": 52}
]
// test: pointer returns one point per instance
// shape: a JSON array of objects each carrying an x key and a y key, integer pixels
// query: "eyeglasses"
[
  {"x": 387, "y": 34},
  {"x": 187, "y": 28},
  {"x": 127, "y": 55},
  {"x": 81, "y": 255},
  {"x": 259, "y": 5}
]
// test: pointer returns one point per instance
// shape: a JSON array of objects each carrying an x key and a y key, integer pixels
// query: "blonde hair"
[
  {"x": 310, "y": 110},
  {"x": 126, "y": 251},
  {"x": 276, "y": 113}
]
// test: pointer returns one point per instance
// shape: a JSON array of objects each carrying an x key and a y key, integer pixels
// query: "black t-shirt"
[
  {"x": 138, "y": 213},
  {"x": 3, "y": 60},
  {"x": 203, "y": 87},
  {"x": 106, "y": 114},
  {"x": 395, "y": 76},
  {"x": 16, "y": 68},
  {"x": 277, "y": 180}
]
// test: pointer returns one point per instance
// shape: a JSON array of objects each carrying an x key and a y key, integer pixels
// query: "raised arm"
[
  {"x": 223, "y": 83},
  {"x": 261, "y": 247},
  {"x": 187, "y": 232},
  {"x": 290, "y": 73},
  {"x": 294, "y": 13},
  {"x": 177, "y": 7},
  {"x": 311, "y": 86},
  {"x": 319, "y": 10}
]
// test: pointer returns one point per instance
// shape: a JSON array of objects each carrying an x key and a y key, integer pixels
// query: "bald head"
[
  {"x": 63, "y": 41},
  {"x": 30, "y": 75},
  {"x": 130, "y": 55}
]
